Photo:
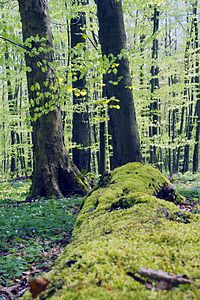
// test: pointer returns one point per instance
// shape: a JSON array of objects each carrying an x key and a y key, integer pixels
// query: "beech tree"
[
  {"x": 197, "y": 88},
  {"x": 122, "y": 122},
  {"x": 54, "y": 174},
  {"x": 154, "y": 105},
  {"x": 80, "y": 130}
]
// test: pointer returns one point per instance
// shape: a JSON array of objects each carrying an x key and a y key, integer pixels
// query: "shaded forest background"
[{"x": 163, "y": 51}]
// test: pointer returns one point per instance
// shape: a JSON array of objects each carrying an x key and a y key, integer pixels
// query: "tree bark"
[
  {"x": 155, "y": 102},
  {"x": 122, "y": 122},
  {"x": 80, "y": 130},
  {"x": 102, "y": 137},
  {"x": 197, "y": 136},
  {"x": 54, "y": 174},
  {"x": 197, "y": 88},
  {"x": 185, "y": 97}
]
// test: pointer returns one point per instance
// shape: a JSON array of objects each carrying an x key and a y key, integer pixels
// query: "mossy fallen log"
[{"x": 123, "y": 226}]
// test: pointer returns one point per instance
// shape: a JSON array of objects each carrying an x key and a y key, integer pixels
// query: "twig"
[{"x": 161, "y": 275}]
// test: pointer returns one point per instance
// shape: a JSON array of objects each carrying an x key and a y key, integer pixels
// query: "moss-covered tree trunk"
[
  {"x": 122, "y": 123},
  {"x": 128, "y": 224},
  {"x": 54, "y": 174}
]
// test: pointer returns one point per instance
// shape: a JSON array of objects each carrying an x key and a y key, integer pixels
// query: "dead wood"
[{"x": 161, "y": 275}]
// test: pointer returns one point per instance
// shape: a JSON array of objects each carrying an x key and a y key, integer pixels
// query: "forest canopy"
[{"x": 163, "y": 54}]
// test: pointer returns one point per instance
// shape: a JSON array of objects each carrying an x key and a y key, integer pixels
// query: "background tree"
[
  {"x": 80, "y": 128},
  {"x": 54, "y": 174},
  {"x": 154, "y": 82},
  {"x": 197, "y": 88},
  {"x": 122, "y": 122}
]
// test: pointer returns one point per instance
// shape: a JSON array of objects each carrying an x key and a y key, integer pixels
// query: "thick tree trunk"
[
  {"x": 122, "y": 123},
  {"x": 54, "y": 174},
  {"x": 80, "y": 131}
]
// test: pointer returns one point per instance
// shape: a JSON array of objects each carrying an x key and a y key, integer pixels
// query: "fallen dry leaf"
[{"x": 38, "y": 285}]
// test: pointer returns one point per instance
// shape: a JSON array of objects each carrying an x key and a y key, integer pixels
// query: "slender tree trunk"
[
  {"x": 12, "y": 104},
  {"x": 155, "y": 103},
  {"x": 30, "y": 154},
  {"x": 94, "y": 152},
  {"x": 102, "y": 148},
  {"x": 142, "y": 39},
  {"x": 173, "y": 139},
  {"x": 102, "y": 136},
  {"x": 185, "y": 95},
  {"x": 20, "y": 139},
  {"x": 122, "y": 122},
  {"x": 189, "y": 127},
  {"x": 195, "y": 92},
  {"x": 80, "y": 129},
  {"x": 197, "y": 88},
  {"x": 172, "y": 131},
  {"x": 54, "y": 174},
  {"x": 3, "y": 130},
  {"x": 197, "y": 135},
  {"x": 169, "y": 136},
  {"x": 180, "y": 132}
]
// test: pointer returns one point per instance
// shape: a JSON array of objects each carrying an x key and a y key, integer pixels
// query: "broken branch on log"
[{"x": 161, "y": 275}]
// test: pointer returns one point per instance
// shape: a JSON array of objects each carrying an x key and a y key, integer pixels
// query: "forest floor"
[{"x": 33, "y": 234}]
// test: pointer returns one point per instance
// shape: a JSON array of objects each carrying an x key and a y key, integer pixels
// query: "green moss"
[{"x": 121, "y": 228}]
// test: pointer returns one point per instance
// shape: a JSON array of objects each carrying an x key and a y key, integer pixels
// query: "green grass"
[{"x": 29, "y": 232}]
